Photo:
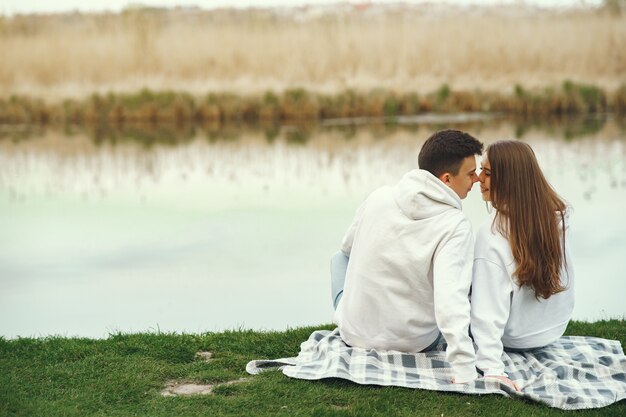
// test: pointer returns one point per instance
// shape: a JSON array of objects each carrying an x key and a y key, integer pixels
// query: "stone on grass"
[
  {"x": 204, "y": 356},
  {"x": 173, "y": 389},
  {"x": 176, "y": 388}
]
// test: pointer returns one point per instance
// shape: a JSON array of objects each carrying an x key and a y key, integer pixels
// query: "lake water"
[{"x": 208, "y": 228}]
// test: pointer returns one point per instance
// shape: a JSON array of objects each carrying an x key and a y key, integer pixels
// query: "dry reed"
[{"x": 397, "y": 48}]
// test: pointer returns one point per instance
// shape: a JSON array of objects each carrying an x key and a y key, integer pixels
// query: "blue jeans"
[{"x": 338, "y": 268}]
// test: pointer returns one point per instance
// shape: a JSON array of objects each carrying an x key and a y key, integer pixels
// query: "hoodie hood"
[{"x": 421, "y": 195}]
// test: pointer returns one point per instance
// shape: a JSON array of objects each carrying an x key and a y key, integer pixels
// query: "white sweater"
[
  {"x": 409, "y": 274},
  {"x": 503, "y": 314}
]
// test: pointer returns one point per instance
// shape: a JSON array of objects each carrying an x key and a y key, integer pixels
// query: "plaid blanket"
[{"x": 571, "y": 374}]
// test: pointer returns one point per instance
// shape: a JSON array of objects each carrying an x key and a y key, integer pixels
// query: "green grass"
[{"x": 124, "y": 374}]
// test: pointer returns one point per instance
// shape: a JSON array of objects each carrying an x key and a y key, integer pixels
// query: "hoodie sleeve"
[
  {"x": 491, "y": 304},
  {"x": 348, "y": 239},
  {"x": 452, "y": 277}
]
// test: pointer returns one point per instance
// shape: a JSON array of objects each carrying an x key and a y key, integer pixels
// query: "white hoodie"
[
  {"x": 503, "y": 314},
  {"x": 409, "y": 274}
]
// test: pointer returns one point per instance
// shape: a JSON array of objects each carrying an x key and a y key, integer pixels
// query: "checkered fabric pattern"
[{"x": 571, "y": 374}]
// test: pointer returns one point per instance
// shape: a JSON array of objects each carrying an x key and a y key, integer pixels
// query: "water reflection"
[
  {"x": 210, "y": 227},
  {"x": 148, "y": 134}
]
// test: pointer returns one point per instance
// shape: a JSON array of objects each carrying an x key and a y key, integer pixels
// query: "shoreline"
[
  {"x": 616, "y": 324},
  {"x": 301, "y": 105}
]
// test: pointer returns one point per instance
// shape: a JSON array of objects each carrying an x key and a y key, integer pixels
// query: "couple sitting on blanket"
[{"x": 403, "y": 276}]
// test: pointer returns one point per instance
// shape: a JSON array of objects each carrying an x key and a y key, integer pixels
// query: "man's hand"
[{"x": 505, "y": 380}]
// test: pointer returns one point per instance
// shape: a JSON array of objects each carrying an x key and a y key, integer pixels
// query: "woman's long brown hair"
[{"x": 528, "y": 215}]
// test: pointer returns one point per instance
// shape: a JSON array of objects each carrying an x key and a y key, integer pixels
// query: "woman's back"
[{"x": 532, "y": 322}]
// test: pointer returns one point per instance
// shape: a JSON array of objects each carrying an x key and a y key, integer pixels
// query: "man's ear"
[{"x": 445, "y": 178}]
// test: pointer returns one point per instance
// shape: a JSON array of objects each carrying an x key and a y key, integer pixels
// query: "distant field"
[{"x": 394, "y": 47}]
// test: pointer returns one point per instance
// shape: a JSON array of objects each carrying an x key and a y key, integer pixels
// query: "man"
[{"x": 410, "y": 251}]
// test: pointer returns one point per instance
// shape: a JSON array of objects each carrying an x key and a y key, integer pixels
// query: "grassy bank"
[
  {"x": 569, "y": 98},
  {"x": 414, "y": 48},
  {"x": 123, "y": 375}
]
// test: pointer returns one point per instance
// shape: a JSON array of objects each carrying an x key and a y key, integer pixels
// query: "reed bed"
[
  {"x": 322, "y": 49},
  {"x": 301, "y": 105}
]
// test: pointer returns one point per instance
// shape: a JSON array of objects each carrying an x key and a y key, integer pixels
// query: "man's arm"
[
  {"x": 452, "y": 278},
  {"x": 348, "y": 239}
]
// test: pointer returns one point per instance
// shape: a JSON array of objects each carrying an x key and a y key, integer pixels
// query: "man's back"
[{"x": 401, "y": 237}]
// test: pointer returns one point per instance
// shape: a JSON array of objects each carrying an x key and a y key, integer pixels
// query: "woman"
[{"x": 523, "y": 281}]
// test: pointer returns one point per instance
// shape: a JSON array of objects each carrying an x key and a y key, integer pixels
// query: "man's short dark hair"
[{"x": 445, "y": 151}]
